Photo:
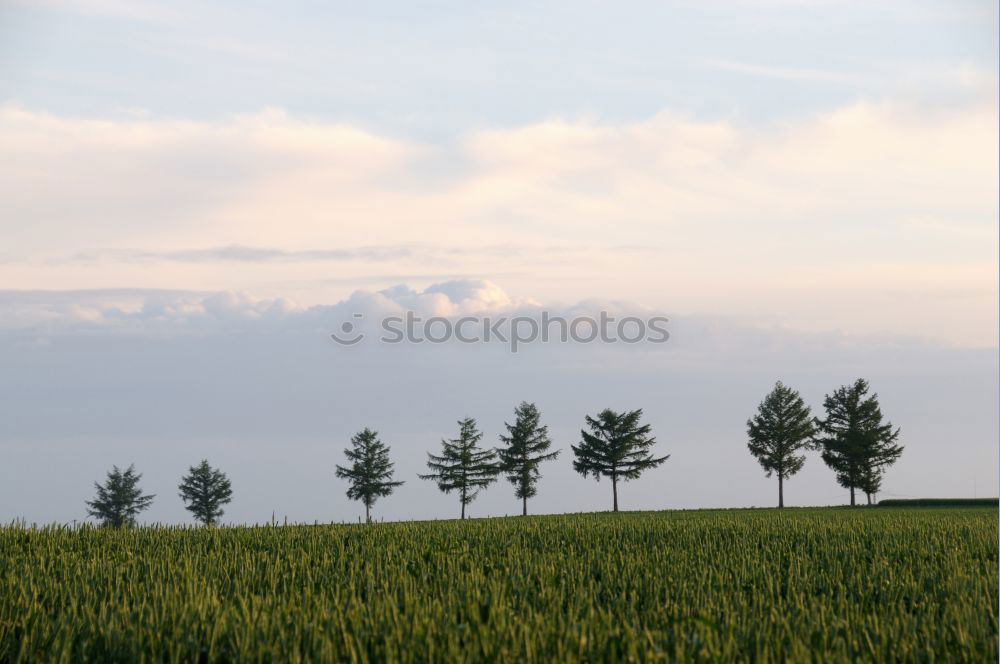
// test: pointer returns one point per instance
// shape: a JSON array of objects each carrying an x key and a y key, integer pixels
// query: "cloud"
[
  {"x": 696, "y": 340},
  {"x": 273, "y": 180},
  {"x": 785, "y": 73},
  {"x": 135, "y": 310},
  {"x": 244, "y": 254},
  {"x": 735, "y": 219}
]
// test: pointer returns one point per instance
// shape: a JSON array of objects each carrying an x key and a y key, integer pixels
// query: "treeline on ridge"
[{"x": 852, "y": 440}]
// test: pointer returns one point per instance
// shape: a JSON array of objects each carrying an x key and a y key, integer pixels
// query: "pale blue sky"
[{"x": 436, "y": 70}]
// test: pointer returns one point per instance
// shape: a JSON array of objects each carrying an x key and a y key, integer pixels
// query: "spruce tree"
[
  {"x": 854, "y": 441},
  {"x": 463, "y": 466},
  {"x": 782, "y": 428},
  {"x": 119, "y": 499},
  {"x": 370, "y": 472},
  {"x": 204, "y": 491},
  {"x": 525, "y": 449},
  {"x": 616, "y": 446}
]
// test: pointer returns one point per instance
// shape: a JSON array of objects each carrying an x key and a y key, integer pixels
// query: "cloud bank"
[{"x": 866, "y": 207}]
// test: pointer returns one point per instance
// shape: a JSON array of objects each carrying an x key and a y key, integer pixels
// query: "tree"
[
  {"x": 782, "y": 427},
  {"x": 204, "y": 491},
  {"x": 119, "y": 499},
  {"x": 871, "y": 481},
  {"x": 617, "y": 446},
  {"x": 854, "y": 441},
  {"x": 525, "y": 449},
  {"x": 463, "y": 466},
  {"x": 370, "y": 473}
]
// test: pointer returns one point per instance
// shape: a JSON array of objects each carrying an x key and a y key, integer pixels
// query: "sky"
[{"x": 193, "y": 196}]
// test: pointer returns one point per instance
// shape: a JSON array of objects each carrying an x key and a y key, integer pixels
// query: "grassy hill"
[{"x": 830, "y": 585}]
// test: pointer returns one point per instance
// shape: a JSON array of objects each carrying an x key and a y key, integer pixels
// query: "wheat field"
[{"x": 871, "y": 584}]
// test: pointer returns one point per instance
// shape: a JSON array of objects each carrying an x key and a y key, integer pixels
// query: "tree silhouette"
[
  {"x": 204, "y": 491},
  {"x": 617, "y": 446},
  {"x": 871, "y": 481},
  {"x": 463, "y": 466},
  {"x": 525, "y": 449},
  {"x": 781, "y": 429},
  {"x": 854, "y": 441},
  {"x": 370, "y": 473},
  {"x": 119, "y": 499}
]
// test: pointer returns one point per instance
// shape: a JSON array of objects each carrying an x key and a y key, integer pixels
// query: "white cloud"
[
  {"x": 117, "y": 311},
  {"x": 733, "y": 219}
]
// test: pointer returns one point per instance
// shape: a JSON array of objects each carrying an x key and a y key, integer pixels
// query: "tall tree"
[
  {"x": 463, "y": 466},
  {"x": 780, "y": 430},
  {"x": 370, "y": 472},
  {"x": 854, "y": 441},
  {"x": 616, "y": 446},
  {"x": 204, "y": 491},
  {"x": 119, "y": 499},
  {"x": 525, "y": 448}
]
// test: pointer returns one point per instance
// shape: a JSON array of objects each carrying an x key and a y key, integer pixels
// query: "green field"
[{"x": 887, "y": 584}]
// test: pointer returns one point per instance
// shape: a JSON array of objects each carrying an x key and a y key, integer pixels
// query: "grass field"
[{"x": 888, "y": 584}]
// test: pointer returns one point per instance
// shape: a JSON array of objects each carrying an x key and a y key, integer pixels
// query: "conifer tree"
[
  {"x": 370, "y": 472},
  {"x": 463, "y": 466},
  {"x": 871, "y": 482},
  {"x": 204, "y": 491},
  {"x": 119, "y": 499},
  {"x": 782, "y": 428},
  {"x": 616, "y": 446},
  {"x": 855, "y": 443},
  {"x": 525, "y": 448}
]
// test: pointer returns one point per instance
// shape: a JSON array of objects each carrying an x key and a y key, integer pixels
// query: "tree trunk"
[
  {"x": 368, "y": 513},
  {"x": 869, "y": 497},
  {"x": 852, "y": 496},
  {"x": 614, "y": 489},
  {"x": 524, "y": 506},
  {"x": 781, "y": 491},
  {"x": 463, "y": 502}
]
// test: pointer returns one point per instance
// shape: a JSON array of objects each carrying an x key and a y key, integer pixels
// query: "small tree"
[
  {"x": 119, "y": 499},
  {"x": 854, "y": 441},
  {"x": 781, "y": 429},
  {"x": 616, "y": 446},
  {"x": 463, "y": 466},
  {"x": 370, "y": 472},
  {"x": 526, "y": 445},
  {"x": 871, "y": 482},
  {"x": 204, "y": 491}
]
